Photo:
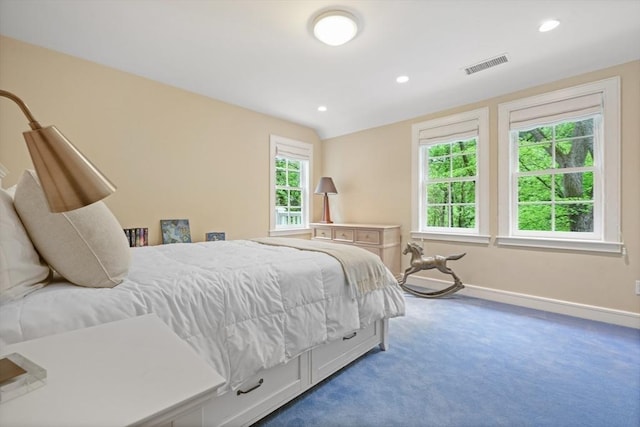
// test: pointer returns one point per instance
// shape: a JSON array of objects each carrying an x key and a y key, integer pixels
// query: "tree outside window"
[
  {"x": 288, "y": 192},
  {"x": 555, "y": 177},
  {"x": 450, "y": 184}
]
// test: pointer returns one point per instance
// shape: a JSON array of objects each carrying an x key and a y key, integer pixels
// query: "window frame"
[
  {"x": 301, "y": 151},
  {"x": 606, "y": 198},
  {"x": 480, "y": 234}
]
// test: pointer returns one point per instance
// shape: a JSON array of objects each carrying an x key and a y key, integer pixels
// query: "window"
[
  {"x": 450, "y": 178},
  {"x": 290, "y": 176},
  {"x": 559, "y": 169}
]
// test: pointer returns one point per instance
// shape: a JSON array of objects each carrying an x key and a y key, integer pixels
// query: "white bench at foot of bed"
[{"x": 270, "y": 389}]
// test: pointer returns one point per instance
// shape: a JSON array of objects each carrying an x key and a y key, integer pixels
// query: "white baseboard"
[{"x": 592, "y": 312}]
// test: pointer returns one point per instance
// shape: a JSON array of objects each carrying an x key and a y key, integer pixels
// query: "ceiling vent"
[{"x": 486, "y": 64}]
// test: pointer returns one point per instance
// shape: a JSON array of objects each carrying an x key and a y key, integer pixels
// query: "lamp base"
[{"x": 326, "y": 215}]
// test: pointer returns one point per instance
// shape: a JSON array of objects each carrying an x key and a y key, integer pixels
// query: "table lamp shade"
[{"x": 326, "y": 186}]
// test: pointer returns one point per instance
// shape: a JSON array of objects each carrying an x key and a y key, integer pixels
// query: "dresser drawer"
[
  {"x": 274, "y": 385},
  {"x": 368, "y": 236},
  {"x": 343, "y": 234},
  {"x": 322, "y": 233}
]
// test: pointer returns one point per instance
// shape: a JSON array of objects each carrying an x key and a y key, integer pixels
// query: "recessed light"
[
  {"x": 402, "y": 79},
  {"x": 322, "y": 108},
  {"x": 335, "y": 27},
  {"x": 548, "y": 25}
]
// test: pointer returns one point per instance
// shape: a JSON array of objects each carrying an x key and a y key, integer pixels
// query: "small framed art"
[
  {"x": 175, "y": 231},
  {"x": 214, "y": 236}
]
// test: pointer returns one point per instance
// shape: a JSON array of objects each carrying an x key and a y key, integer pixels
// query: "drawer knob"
[{"x": 251, "y": 389}]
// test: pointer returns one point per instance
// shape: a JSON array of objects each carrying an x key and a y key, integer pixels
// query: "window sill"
[
  {"x": 289, "y": 232},
  {"x": 571, "y": 245},
  {"x": 451, "y": 237}
]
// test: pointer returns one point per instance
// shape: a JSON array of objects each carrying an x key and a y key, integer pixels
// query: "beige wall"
[
  {"x": 172, "y": 154},
  {"x": 372, "y": 171}
]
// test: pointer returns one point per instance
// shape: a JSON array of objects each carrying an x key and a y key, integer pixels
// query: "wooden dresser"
[{"x": 382, "y": 240}]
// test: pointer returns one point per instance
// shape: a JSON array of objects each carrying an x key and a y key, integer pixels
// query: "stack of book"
[{"x": 137, "y": 236}]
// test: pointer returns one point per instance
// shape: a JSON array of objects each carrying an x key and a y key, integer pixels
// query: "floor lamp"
[{"x": 69, "y": 180}]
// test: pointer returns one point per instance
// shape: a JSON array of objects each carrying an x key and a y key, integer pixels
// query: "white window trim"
[
  {"x": 306, "y": 149},
  {"x": 482, "y": 190},
  {"x": 610, "y": 152}
]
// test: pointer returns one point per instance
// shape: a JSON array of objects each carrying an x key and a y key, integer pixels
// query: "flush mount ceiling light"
[
  {"x": 402, "y": 79},
  {"x": 322, "y": 108},
  {"x": 548, "y": 25},
  {"x": 335, "y": 27}
]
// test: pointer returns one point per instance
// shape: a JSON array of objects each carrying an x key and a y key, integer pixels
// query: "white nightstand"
[{"x": 129, "y": 372}]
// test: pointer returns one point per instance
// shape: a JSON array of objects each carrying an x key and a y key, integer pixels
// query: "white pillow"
[
  {"x": 21, "y": 269},
  {"x": 86, "y": 246}
]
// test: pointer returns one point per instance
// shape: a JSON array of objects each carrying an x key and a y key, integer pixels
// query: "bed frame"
[{"x": 270, "y": 389}]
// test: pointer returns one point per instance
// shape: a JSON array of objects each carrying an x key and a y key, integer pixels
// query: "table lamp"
[
  {"x": 69, "y": 180},
  {"x": 326, "y": 186}
]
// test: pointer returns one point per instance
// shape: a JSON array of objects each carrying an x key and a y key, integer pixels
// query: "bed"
[{"x": 272, "y": 316}]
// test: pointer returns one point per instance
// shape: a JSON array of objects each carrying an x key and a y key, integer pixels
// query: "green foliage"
[
  {"x": 552, "y": 194},
  {"x": 451, "y": 187},
  {"x": 289, "y": 191},
  {"x": 555, "y": 179}
]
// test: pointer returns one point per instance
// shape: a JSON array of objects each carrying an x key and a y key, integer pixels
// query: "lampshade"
[
  {"x": 69, "y": 180},
  {"x": 326, "y": 186},
  {"x": 335, "y": 27}
]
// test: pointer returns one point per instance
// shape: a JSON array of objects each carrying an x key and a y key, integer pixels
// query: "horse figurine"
[{"x": 420, "y": 262}]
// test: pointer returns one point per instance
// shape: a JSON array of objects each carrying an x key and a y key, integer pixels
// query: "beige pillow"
[
  {"x": 86, "y": 246},
  {"x": 21, "y": 270}
]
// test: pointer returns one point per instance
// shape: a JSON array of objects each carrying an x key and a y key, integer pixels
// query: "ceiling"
[{"x": 260, "y": 54}]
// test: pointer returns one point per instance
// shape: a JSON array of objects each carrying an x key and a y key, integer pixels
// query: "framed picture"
[
  {"x": 175, "y": 231},
  {"x": 214, "y": 236}
]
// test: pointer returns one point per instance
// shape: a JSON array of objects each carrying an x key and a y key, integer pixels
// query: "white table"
[{"x": 129, "y": 372}]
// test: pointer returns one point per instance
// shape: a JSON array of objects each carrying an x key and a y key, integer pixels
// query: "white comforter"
[{"x": 241, "y": 305}]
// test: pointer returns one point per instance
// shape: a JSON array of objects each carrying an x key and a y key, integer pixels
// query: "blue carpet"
[{"x": 463, "y": 361}]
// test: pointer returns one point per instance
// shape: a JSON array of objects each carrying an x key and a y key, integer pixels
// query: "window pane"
[
  {"x": 576, "y": 152},
  {"x": 439, "y": 167},
  {"x": 295, "y": 198},
  {"x": 534, "y": 157},
  {"x": 438, "y": 216},
  {"x": 534, "y": 188},
  {"x": 294, "y": 165},
  {"x": 282, "y": 198},
  {"x": 574, "y": 186},
  {"x": 576, "y": 217},
  {"x": 294, "y": 179},
  {"x": 439, "y": 150},
  {"x": 438, "y": 193},
  {"x": 465, "y": 147},
  {"x": 463, "y": 216},
  {"x": 281, "y": 177},
  {"x": 464, "y": 165},
  {"x": 574, "y": 128},
  {"x": 463, "y": 192},
  {"x": 534, "y": 217},
  {"x": 539, "y": 134}
]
